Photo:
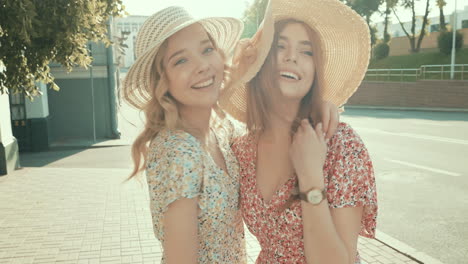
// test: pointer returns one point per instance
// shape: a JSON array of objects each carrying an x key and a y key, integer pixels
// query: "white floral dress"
[{"x": 178, "y": 167}]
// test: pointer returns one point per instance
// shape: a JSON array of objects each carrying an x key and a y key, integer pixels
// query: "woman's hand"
[
  {"x": 308, "y": 152},
  {"x": 245, "y": 54},
  {"x": 326, "y": 113}
]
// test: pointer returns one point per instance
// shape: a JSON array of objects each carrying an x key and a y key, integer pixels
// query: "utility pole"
[{"x": 454, "y": 31}]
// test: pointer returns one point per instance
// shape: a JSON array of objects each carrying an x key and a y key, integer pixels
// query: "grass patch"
[
  {"x": 415, "y": 61},
  {"x": 418, "y": 59}
]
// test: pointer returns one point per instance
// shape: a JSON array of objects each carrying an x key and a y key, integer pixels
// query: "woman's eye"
[
  {"x": 308, "y": 53},
  {"x": 208, "y": 50},
  {"x": 180, "y": 62},
  {"x": 280, "y": 46}
]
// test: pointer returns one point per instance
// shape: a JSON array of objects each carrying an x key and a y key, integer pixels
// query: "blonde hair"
[
  {"x": 259, "y": 103},
  {"x": 161, "y": 110}
]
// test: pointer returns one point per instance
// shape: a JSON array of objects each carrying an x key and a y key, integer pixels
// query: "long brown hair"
[
  {"x": 259, "y": 103},
  {"x": 161, "y": 110}
]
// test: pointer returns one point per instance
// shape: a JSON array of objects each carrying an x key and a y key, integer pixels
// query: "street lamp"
[{"x": 454, "y": 31}]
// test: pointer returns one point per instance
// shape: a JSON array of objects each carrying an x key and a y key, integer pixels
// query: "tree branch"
[{"x": 401, "y": 24}]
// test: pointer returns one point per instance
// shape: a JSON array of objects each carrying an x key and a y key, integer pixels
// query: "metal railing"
[
  {"x": 392, "y": 75},
  {"x": 425, "y": 72},
  {"x": 428, "y": 71}
]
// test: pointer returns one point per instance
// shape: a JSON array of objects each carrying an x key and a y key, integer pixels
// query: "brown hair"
[
  {"x": 161, "y": 110},
  {"x": 258, "y": 99},
  {"x": 259, "y": 103}
]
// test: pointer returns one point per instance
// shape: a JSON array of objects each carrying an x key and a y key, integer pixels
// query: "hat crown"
[{"x": 158, "y": 26}]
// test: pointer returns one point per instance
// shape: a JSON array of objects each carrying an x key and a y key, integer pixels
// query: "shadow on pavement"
[{"x": 42, "y": 159}]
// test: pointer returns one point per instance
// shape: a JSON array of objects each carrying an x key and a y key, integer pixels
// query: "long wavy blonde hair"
[{"x": 161, "y": 110}]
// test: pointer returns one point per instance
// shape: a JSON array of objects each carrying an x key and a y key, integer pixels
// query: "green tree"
[
  {"x": 34, "y": 33},
  {"x": 253, "y": 16},
  {"x": 366, "y": 8},
  {"x": 440, "y": 4},
  {"x": 389, "y": 4},
  {"x": 415, "y": 45}
]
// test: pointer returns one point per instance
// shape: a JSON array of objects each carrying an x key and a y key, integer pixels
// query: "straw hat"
[
  {"x": 159, "y": 27},
  {"x": 342, "y": 37}
]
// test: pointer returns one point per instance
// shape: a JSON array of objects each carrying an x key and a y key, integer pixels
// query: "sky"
[{"x": 235, "y": 8}]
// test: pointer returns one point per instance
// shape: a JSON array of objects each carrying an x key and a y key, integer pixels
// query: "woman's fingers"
[
  {"x": 325, "y": 118},
  {"x": 319, "y": 132}
]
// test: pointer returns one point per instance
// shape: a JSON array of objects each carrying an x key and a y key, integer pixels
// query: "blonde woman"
[
  {"x": 305, "y": 199},
  {"x": 192, "y": 173}
]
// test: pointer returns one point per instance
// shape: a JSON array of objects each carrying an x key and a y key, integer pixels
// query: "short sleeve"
[
  {"x": 237, "y": 129},
  {"x": 351, "y": 180},
  {"x": 174, "y": 171}
]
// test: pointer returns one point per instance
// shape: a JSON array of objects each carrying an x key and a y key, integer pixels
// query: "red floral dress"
[{"x": 349, "y": 181}]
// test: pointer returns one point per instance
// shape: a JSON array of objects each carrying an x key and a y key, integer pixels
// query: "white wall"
[
  {"x": 6, "y": 136},
  {"x": 39, "y": 108}
]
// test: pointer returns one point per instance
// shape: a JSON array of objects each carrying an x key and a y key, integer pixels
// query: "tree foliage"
[
  {"x": 253, "y": 16},
  {"x": 440, "y": 4},
  {"x": 34, "y": 33},
  {"x": 445, "y": 41},
  {"x": 366, "y": 8},
  {"x": 389, "y": 4},
  {"x": 381, "y": 51}
]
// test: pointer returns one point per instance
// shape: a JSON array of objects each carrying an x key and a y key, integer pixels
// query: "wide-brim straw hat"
[
  {"x": 157, "y": 28},
  {"x": 343, "y": 41}
]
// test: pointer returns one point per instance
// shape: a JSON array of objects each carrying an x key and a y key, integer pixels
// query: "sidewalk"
[{"x": 65, "y": 214}]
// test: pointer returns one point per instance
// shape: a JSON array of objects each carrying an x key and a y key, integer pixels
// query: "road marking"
[
  {"x": 424, "y": 167},
  {"x": 431, "y": 123},
  {"x": 417, "y": 136}
]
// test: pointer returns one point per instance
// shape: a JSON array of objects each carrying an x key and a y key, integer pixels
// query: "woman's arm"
[
  {"x": 181, "y": 232},
  {"x": 329, "y": 236}
]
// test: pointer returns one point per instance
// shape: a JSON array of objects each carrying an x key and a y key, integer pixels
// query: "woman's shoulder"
[
  {"x": 244, "y": 141},
  {"x": 344, "y": 136},
  {"x": 173, "y": 142}
]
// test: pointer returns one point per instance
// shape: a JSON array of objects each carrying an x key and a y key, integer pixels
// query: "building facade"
[
  {"x": 399, "y": 44},
  {"x": 128, "y": 27}
]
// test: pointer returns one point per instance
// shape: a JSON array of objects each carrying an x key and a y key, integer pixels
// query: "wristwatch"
[{"x": 314, "y": 196}]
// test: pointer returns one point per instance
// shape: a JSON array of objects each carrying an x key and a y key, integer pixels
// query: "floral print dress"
[
  {"x": 178, "y": 167},
  {"x": 349, "y": 182}
]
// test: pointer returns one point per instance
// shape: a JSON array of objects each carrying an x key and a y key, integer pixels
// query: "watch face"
[{"x": 314, "y": 196}]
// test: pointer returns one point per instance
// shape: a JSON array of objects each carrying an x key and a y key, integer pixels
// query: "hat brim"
[
  {"x": 343, "y": 39},
  {"x": 136, "y": 84}
]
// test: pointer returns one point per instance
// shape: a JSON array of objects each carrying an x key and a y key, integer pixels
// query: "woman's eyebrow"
[
  {"x": 303, "y": 42},
  {"x": 182, "y": 50}
]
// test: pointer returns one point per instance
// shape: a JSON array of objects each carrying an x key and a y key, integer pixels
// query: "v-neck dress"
[
  {"x": 178, "y": 167},
  {"x": 349, "y": 182}
]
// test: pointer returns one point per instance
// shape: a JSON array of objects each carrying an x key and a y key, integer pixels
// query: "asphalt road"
[{"x": 421, "y": 166}]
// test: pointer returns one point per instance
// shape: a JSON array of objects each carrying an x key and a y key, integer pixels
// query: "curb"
[
  {"x": 404, "y": 249},
  {"x": 430, "y": 109}
]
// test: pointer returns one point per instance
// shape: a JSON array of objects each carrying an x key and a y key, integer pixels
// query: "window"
[
  {"x": 465, "y": 23},
  {"x": 435, "y": 28}
]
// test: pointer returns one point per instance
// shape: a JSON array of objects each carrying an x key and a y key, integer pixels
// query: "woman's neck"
[
  {"x": 281, "y": 119},
  {"x": 196, "y": 120}
]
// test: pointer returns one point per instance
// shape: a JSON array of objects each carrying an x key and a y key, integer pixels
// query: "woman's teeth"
[
  {"x": 289, "y": 75},
  {"x": 204, "y": 84}
]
